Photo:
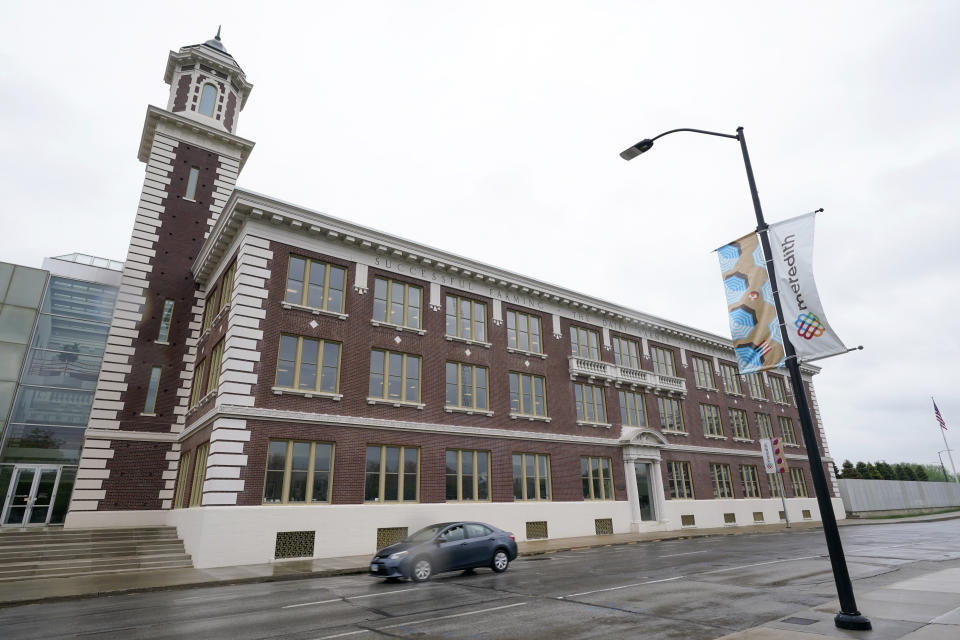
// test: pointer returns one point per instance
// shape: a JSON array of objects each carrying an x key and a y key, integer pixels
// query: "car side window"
[
  {"x": 477, "y": 531},
  {"x": 453, "y": 533}
]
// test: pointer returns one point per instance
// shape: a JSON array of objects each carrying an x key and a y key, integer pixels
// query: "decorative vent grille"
[
  {"x": 387, "y": 536},
  {"x": 730, "y": 518},
  {"x": 603, "y": 526},
  {"x": 688, "y": 520},
  {"x": 806, "y": 514},
  {"x": 783, "y": 515},
  {"x": 294, "y": 544},
  {"x": 536, "y": 530},
  {"x": 758, "y": 516}
]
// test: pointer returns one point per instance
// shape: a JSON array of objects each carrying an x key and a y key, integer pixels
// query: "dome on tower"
[{"x": 216, "y": 43}]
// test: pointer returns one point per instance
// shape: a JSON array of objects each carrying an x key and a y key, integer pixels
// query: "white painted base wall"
[{"x": 230, "y": 535}]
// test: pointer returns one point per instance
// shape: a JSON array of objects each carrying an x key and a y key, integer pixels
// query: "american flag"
[{"x": 936, "y": 412}]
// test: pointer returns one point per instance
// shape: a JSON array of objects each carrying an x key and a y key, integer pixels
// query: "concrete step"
[
  {"x": 91, "y": 562},
  {"x": 10, "y": 537},
  {"x": 84, "y": 551},
  {"x": 76, "y": 560},
  {"x": 64, "y": 573}
]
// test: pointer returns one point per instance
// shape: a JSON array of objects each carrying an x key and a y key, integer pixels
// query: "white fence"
[{"x": 864, "y": 496}]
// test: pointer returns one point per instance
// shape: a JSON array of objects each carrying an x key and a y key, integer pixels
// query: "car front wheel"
[
  {"x": 422, "y": 570},
  {"x": 500, "y": 561}
]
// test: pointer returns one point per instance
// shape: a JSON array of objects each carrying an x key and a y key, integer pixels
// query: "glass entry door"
[
  {"x": 30, "y": 496},
  {"x": 643, "y": 490}
]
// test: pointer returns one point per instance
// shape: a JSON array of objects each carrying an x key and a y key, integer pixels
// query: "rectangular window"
[
  {"x": 590, "y": 403},
  {"x": 468, "y": 475},
  {"x": 466, "y": 386},
  {"x": 199, "y": 379},
  {"x": 531, "y": 476},
  {"x": 786, "y": 429},
  {"x": 738, "y": 424},
  {"x": 703, "y": 373},
  {"x": 394, "y": 376},
  {"x": 226, "y": 285},
  {"x": 523, "y": 332},
  {"x": 722, "y": 485},
  {"x": 626, "y": 353},
  {"x": 466, "y": 319},
  {"x": 192, "y": 178},
  {"x": 755, "y": 384},
  {"x": 671, "y": 415},
  {"x": 778, "y": 390},
  {"x": 298, "y": 472},
  {"x": 397, "y": 303},
  {"x": 585, "y": 343},
  {"x": 391, "y": 474},
  {"x": 731, "y": 380},
  {"x": 153, "y": 386},
  {"x": 216, "y": 359},
  {"x": 775, "y": 481},
  {"x": 596, "y": 477},
  {"x": 710, "y": 416},
  {"x": 680, "y": 480},
  {"x": 663, "y": 361},
  {"x": 764, "y": 429},
  {"x": 751, "y": 481},
  {"x": 315, "y": 284},
  {"x": 166, "y": 316},
  {"x": 210, "y": 310},
  {"x": 183, "y": 472},
  {"x": 199, "y": 475},
  {"x": 308, "y": 364},
  {"x": 797, "y": 483},
  {"x": 633, "y": 411},
  {"x": 528, "y": 395}
]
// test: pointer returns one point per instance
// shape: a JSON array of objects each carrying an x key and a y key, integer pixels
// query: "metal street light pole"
[{"x": 849, "y": 616}]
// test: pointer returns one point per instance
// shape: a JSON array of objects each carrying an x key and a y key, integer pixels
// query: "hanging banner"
[
  {"x": 791, "y": 243},
  {"x": 753, "y": 314}
]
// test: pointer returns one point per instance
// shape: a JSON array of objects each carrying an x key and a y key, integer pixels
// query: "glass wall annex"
[{"x": 40, "y": 446}]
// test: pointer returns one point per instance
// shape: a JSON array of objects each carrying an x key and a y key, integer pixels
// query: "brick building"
[{"x": 278, "y": 382}]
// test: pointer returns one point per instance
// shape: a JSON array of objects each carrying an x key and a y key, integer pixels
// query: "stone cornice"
[{"x": 194, "y": 131}]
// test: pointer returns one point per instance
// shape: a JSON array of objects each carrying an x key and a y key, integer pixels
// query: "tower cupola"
[{"x": 207, "y": 85}]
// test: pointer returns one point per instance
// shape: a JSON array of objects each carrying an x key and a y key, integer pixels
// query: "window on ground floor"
[
  {"x": 722, "y": 484},
  {"x": 298, "y": 472},
  {"x": 775, "y": 482},
  {"x": 680, "y": 480},
  {"x": 531, "y": 476},
  {"x": 751, "y": 482},
  {"x": 798, "y": 483},
  {"x": 468, "y": 475},
  {"x": 391, "y": 474},
  {"x": 596, "y": 477},
  {"x": 183, "y": 472},
  {"x": 199, "y": 475}
]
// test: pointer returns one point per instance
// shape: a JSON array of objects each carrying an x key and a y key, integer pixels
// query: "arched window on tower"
[{"x": 208, "y": 99}]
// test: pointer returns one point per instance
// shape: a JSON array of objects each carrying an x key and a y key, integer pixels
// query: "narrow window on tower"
[
  {"x": 208, "y": 99},
  {"x": 192, "y": 179},
  {"x": 152, "y": 386},
  {"x": 165, "y": 319}
]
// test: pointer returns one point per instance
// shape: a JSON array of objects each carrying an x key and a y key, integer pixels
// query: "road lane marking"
[
  {"x": 687, "y": 553},
  {"x": 408, "y": 624},
  {"x": 626, "y": 586},
  {"x": 369, "y": 595},
  {"x": 757, "y": 564}
]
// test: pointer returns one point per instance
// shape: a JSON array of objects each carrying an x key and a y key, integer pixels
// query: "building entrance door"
[
  {"x": 643, "y": 490},
  {"x": 30, "y": 496}
]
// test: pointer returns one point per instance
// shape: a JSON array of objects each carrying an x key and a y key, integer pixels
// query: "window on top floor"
[
  {"x": 208, "y": 100},
  {"x": 703, "y": 373},
  {"x": 585, "y": 343},
  {"x": 778, "y": 389},
  {"x": 315, "y": 284},
  {"x": 466, "y": 319},
  {"x": 755, "y": 384},
  {"x": 523, "y": 332},
  {"x": 397, "y": 303},
  {"x": 731, "y": 379},
  {"x": 663, "y": 361},
  {"x": 626, "y": 352}
]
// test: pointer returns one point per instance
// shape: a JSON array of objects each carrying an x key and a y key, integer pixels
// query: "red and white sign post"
[{"x": 775, "y": 462}]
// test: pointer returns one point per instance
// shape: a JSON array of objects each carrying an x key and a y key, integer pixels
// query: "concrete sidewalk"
[{"x": 923, "y": 608}]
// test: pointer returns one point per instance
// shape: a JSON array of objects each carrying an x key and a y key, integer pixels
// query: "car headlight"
[{"x": 398, "y": 555}]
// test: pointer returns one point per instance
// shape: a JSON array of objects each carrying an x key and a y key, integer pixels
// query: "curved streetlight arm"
[
  {"x": 645, "y": 144},
  {"x": 709, "y": 133}
]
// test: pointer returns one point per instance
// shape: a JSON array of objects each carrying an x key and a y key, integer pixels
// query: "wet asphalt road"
[{"x": 691, "y": 589}]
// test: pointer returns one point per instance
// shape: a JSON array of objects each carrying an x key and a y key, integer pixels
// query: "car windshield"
[{"x": 425, "y": 534}]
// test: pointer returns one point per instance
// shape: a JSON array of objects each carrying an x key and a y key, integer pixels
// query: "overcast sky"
[{"x": 491, "y": 129}]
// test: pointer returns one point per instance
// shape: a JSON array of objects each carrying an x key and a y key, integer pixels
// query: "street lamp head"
[{"x": 641, "y": 147}]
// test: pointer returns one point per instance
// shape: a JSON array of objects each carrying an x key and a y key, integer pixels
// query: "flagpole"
[
  {"x": 849, "y": 616},
  {"x": 943, "y": 432}
]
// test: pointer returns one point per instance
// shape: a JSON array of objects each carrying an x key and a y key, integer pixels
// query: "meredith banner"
[
  {"x": 753, "y": 314},
  {"x": 791, "y": 243}
]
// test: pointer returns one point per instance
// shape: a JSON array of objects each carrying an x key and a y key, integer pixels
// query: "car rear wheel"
[
  {"x": 422, "y": 570},
  {"x": 500, "y": 561}
]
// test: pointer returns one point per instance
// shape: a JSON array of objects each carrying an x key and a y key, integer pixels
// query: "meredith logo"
[{"x": 809, "y": 326}]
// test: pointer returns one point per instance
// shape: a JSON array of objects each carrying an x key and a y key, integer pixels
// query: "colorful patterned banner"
[
  {"x": 753, "y": 314},
  {"x": 791, "y": 243}
]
